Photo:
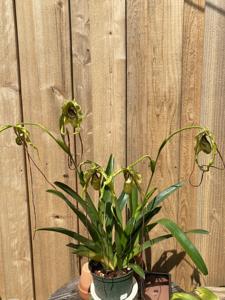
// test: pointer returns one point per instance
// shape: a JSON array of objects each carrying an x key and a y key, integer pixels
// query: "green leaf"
[
  {"x": 149, "y": 227},
  {"x": 72, "y": 245},
  {"x": 95, "y": 250},
  {"x": 120, "y": 203},
  {"x": 186, "y": 243},
  {"x": 69, "y": 233},
  {"x": 158, "y": 239},
  {"x": 134, "y": 229},
  {"x": 120, "y": 238},
  {"x": 147, "y": 196},
  {"x": 137, "y": 269},
  {"x": 133, "y": 200},
  {"x": 109, "y": 218},
  {"x": 164, "y": 194},
  {"x": 197, "y": 231},
  {"x": 90, "y": 227},
  {"x": 87, "y": 204},
  {"x": 71, "y": 192},
  {"x": 63, "y": 145},
  {"x": 83, "y": 251},
  {"x": 134, "y": 225}
]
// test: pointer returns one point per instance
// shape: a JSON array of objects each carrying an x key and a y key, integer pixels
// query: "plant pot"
[
  {"x": 117, "y": 288},
  {"x": 85, "y": 282},
  {"x": 157, "y": 286}
]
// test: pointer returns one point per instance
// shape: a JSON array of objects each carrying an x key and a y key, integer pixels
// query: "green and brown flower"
[
  {"x": 205, "y": 142},
  {"x": 71, "y": 114}
]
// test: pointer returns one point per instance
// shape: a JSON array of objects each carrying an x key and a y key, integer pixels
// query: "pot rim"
[{"x": 118, "y": 278}]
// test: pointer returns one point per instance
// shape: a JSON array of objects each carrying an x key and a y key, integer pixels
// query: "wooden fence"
[{"x": 140, "y": 69}]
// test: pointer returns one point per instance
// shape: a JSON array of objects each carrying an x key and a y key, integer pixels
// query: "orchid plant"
[{"x": 111, "y": 240}]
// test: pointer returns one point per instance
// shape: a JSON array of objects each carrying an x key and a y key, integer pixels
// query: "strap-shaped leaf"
[
  {"x": 96, "y": 248},
  {"x": 164, "y": 194},
  {"x": 83, "y": 251},
  {"x": 134, "y": 224},
  {"x": 186, "y": 243},
  {"x": 63, "y": 145},
  {"x": 87, "y": 205},
  {"x": 120, "y": 204},
  {"x": 133, "y": 200},
  {"x": 158, "y": 239},
  {"x": 71, "y": 192},
  {"x": 148, "y": 196},
  {"x": 149, "y": 227},
  {"x": 197, "y": 231},
  {"x": 120, "y": 238},
  {"x": 72, "y": 245},
  {"x": 69, "y": 233},
  {"x": 137, "y": 269},
  {"x": 90, "y": 227},
  {"x": 133, "y": 230},
  {"x": 122, "y": 201}
]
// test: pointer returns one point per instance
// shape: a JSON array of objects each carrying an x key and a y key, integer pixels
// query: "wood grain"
[
  {"x": 137, "y": 68},
  {"x": 108, "y": 79},
  {"x": 81, "y": 60},
  {"x": 211, "y": 214},
  {"x": 81, "y": 53},
  {"x": 154, "y": 52},
  {"x": 192, "y": 66},
  {"x": 44, "y": 44},
  {"x": 15, "y": 253},
  {"x": 98, "y": 36}
]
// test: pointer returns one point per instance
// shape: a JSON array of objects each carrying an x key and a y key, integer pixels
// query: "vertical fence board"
[
  {"x": 81, "y": 59},
  {"x": 15, "y": 256},
  {"x": 98, "y": 35},
  {"x": 44, "y": 45},
  {"x": 108, "y": 79},
  {"x": 134, "y": 103},
  {"x": 154, "y": 41},
  {"x": 192, "y": 63},
  {"x": 80, "y": 24},
  {"x": 212, "y": 191}
]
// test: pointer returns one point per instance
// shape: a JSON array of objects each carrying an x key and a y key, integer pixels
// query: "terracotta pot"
[{"x": 85, "y": 282}]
